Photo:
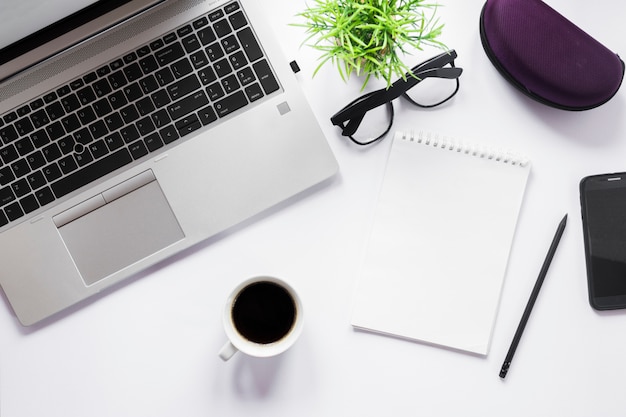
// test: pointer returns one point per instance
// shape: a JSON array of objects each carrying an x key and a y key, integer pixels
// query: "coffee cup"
[{"x": 262, "y": 317}]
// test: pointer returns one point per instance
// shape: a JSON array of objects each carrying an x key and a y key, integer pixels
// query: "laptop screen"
[{"x": 27, "y": 24}]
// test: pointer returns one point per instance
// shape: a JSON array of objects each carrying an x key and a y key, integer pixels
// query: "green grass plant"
[{"x": 369, "y": 37}]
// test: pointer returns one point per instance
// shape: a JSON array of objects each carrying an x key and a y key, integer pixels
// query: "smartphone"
[{"x": 603, "y": 206}]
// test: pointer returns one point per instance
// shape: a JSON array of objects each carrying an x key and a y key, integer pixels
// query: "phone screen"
[{"x": 603, "y": 203}]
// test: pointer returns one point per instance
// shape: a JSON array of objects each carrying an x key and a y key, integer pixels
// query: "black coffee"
[{"x": 264, "y": 312}]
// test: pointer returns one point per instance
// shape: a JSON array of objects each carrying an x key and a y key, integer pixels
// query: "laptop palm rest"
[{"x": 120, "y": 227}]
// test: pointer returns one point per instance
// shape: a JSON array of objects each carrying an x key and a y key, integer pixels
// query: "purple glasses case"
[{"x": 548, "y": 57}]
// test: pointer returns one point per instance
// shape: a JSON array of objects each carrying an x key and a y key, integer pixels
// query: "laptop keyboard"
[{"x": 144, "y": 101}]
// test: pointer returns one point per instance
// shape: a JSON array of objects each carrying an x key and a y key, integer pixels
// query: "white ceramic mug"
[{"x": 262, "y": 317}]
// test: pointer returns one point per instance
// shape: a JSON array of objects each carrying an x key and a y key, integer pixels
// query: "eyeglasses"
[{"x": 438, "y": 71}]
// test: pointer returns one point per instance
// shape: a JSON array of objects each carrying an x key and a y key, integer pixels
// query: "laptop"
[{"x": 131, "y": 130}]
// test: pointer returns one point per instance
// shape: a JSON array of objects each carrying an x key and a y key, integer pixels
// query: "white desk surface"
[{"x": 149, "y": 347}]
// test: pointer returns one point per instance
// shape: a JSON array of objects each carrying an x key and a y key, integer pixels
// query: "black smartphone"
[{"x": 603, "y": 206}]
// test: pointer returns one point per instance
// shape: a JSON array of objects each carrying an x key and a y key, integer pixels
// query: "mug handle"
[{"x": 227, "y": 351}]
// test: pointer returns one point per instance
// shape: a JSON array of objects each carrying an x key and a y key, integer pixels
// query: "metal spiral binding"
[{"x": 453, "y": 145}]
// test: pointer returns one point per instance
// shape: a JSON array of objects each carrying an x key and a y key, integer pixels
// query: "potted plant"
[{"x": 368, "y": 37}]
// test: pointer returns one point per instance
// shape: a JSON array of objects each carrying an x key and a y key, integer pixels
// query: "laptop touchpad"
[{"x": 121, "y": 232}]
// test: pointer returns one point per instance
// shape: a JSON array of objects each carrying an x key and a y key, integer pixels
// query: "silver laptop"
[{"x": 133, "y": 129}]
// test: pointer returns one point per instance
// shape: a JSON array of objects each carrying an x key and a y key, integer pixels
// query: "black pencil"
[{"x": 533, "y": 298}]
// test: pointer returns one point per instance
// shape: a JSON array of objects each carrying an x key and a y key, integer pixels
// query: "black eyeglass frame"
[{"x": 350, "y": 117}]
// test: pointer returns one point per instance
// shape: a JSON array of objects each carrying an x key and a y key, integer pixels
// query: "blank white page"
[{"x": 440, "y": 242}]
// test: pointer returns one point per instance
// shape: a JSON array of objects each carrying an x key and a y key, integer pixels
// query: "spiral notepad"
[{"x": 440, "y": 241}]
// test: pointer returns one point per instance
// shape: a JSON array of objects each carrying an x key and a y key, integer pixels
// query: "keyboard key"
[
  {"x": 39, "y": 138},
  {"x": 83, "y": 136},
  {"x": 133, "y": 92},
  {"x": 66, "y": 144},
  {"x": 191, "y": 43},
  {"x": 51, "y": 152},
  {"x": 20, "y": 188},
  {"x": 6, "y": 196},
  {"x": 160, "y": 118},
  {"x": 214, "y": 51},
  {"x": 164, "y": 77},
  {"x": 118, "y": 100},
  {"x": 231, "y": 103},
  {"x": 117, "y": 80},
  {"x": 50, "y": 97},
  {"x": 44, "y": 196},
  {"x": 55, "y": 130},
  {"x": 98, "y": 129},
  {"x": 6, "y": 175},
  {"x": 230, "y": 44},
  {"x": 52, "y": 172},
  {"x": 206, "y": 36},
  {"x": 222, "y": 67},
  {"x": 91, "y": 172},
  {"x": 70, "y": 123},
  {"x": 114, "y": 141},
  {"x": 20, "y": 168},
  {"x": 129, "y": 134},
  {"x": 55, "y": 110},
  {"x": 188, "y": 124},
  {"x": 133, "y": 72},
  {"x": 181, "y": 68},
  {"x": 153, "y": 142},
  {"x": 249, "y": 44},
  {"x": 215, "y": 91},
  {"x": 207, "y": 75},
  {"x": 138, "y": 149},
  {"x": 170, "y": 54},
  {"x": 68, "y": 164},
  {"x": 86, "y": 95},
  {"x": 129, "y": 113},
  {"x": 183, "y": 87},
  {"x": 29, "y": 204},
  {"x": 197, "y": 24},
  {"x": 156, "y": 45},
  {"x": 102, "y": 87},
  {"x": 36, "y": 180},
  {"x": 265, "y": 76},
  {"x": 237, "y": 60},
  {"x": 8, "y": 134},
  {"x": 70, "y": 103},
  {"x": 148, "y": 64},
  {"x": 160, "y": 98},
  {"x": 144, "y": 106},
  {"x": 149, "y": 84},
  {"x": 91, "y": 77},
  {"x": 24, "y": 126},
  {"x": 187, "y": 105},
  {"x": 24, "y": 146},
  {"x": 254, "y": 92},
  {"x": 199, "y": 59},
  {"x": 184, "y": 31},
  {"x": 230, "y": 84},
  {"x": 102, "y": 107},
  {"x": 231, "y": 7},
  {"x": 207, "y": 115},
  {"x": 14, "y": 211},
  {"x": 170, "y": 37},
  {"x": 145, "y": 126},
  {"x": 8, "y": 154},
  {"x": 237, "y": 20},
  {"x": 86, "y": 115},
  {"x": 98, "y": 149},
  {"x": 215, "y": 15},
  {"x": 169, "y": 134},
  {"x": 36, "y": 160},
  {"x": 246, "y": 76}
]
